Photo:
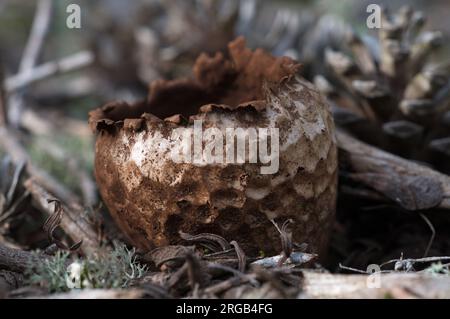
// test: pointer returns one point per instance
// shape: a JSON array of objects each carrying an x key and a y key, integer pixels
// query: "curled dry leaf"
[
  {"x": 53, "y": 222},
  {"x": 213, "y": 242}
]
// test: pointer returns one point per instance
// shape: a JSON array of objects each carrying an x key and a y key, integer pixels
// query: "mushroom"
[{"x": 173, "y": 163}]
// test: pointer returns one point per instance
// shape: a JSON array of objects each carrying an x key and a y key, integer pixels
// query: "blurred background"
[
  {"x": 53, "y": 76},
  {"x": 136, "y": 42}
]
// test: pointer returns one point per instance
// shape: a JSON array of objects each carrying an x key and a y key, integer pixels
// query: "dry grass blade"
[
  {"x": 286, "y": 240},
  {"x": 18, "y": 172},
  {"x": 418, "y": 260},
  {"x": 433, "y": 234},
  {"x": 240, "y": 255}
]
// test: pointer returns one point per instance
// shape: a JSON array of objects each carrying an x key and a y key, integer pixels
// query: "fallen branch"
[
  {"x": 17, "y": 260},
  {"x": 412, "y": 285},
  {"x": 411, "y": 185}
]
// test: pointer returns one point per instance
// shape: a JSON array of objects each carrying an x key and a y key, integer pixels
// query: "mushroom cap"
[{"x": 152, "y": 197}]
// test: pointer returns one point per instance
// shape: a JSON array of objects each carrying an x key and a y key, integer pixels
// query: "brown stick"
[
  {"x": 73, "y": 221},
  {"x": 17, "y": 260},
  {"x": 412, "y": 185}
]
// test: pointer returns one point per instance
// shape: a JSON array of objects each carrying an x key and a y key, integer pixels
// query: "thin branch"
[
  {"x": 39, "y": 30},
  {"x": 30, "y": 56},
  {"x": 433, "y": 234},
  {"x": 70, "y": 63},
  {"x": 417, "y": 260}
]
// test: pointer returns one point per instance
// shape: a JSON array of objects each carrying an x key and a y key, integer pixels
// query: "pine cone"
[
  {"x": 388, "y": 93},
  {"x": 163, "y": 39}
]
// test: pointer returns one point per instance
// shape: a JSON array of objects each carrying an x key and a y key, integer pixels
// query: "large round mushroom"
[{"x": 153, "y": 197}]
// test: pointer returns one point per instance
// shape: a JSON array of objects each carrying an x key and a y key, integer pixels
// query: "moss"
[
  {"x": 117, "y": 269},
  {"x": 51, "y": 273}
]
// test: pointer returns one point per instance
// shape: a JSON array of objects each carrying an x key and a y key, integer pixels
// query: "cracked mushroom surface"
[{"x": 152, "y": 197}]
